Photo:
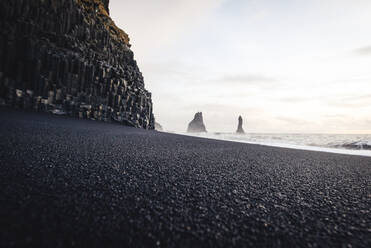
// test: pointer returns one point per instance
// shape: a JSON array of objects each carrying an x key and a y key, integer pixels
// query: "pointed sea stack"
[
  {"x": 69, "y": 57},
  {"x": 197, "y": 124},
  {"x": 239, "y": 128}
]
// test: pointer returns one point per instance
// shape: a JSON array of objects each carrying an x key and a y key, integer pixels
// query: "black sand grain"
[{"x": 67, "y": 182}]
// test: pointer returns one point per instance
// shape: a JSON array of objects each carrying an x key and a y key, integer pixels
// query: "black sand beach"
[{"x": 67, "y": 182}]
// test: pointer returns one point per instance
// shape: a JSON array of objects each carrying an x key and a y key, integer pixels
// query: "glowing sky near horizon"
[{"x": 285, "y": 66}]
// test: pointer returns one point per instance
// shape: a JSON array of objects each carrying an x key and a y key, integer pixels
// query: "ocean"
[{"x": 352, "y": 144}]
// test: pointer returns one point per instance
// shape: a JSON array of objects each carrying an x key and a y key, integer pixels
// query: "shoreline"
[
  {"x": 68, "y": 182},
  {"x": 344, "y": 151}
]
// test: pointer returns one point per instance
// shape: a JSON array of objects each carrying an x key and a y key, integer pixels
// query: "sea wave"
[{"x": 353, "y": 144}]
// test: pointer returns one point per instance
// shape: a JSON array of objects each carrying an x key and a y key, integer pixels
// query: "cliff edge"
[{"x": 69, "y": 57}]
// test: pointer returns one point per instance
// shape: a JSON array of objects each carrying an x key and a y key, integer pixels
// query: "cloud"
[
  {"x": 363, "y": 51},
  {"x": 247, "y": 79},
  {"x": 335, "y": 116},
  {"x": 295, "y": 99},
  {"x": 295, "y": 121},
  {"x": 366, "y": 97},
  {"x": 153, "y": 25},
  {"x": 360, "y": 101},
  {"x": 222, "y": 108}
]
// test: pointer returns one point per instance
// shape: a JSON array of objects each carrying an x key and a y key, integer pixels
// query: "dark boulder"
[{"x": 197, "y": 124}]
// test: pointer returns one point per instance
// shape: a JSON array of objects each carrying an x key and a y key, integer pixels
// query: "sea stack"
[
  {"x": 197, "y": 124},
  {"x": 239, "y": 128},
  {"x": 68, "y": 56}
]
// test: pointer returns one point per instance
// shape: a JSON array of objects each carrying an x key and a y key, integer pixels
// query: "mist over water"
[{"x": 353, "y": 144}]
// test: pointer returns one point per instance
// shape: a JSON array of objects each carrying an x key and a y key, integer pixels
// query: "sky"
[{"x": 288, "y": 66}]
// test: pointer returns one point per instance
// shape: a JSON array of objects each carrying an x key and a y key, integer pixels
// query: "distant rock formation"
[
  {"x": 197, "y": 124},
  {"x": 158, "y": 127},
  {"x": 69, "y": 57},
  {"x": 239, "y": 128}
]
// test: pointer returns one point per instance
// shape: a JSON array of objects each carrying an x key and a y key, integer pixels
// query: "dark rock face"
[
  {"x": 197, "y": 124},
  {"x": 239, "y": 128},
  {"x": 68, "y": 57},
  {"x": 106, "y": 5}
]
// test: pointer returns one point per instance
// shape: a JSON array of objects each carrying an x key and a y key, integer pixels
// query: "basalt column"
[{"x": 68, "y": 57}]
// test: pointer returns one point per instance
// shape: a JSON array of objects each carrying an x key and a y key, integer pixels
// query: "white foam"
[{"x": 282, "y": 144}]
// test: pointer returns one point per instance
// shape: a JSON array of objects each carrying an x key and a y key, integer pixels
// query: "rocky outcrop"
[
  {"x": 105, "y": 4},
  {"x": 68, "y": 57},
  {"x": 197, "y": 124},
  {"x": 158, "y": 127},
  {"x": 239, "y": 128}
]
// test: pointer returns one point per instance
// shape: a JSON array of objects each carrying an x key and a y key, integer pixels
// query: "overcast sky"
[{"x": 284, "y": 65}]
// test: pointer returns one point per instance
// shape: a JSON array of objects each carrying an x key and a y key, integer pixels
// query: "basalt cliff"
[{"x": 68, "y": 57}]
